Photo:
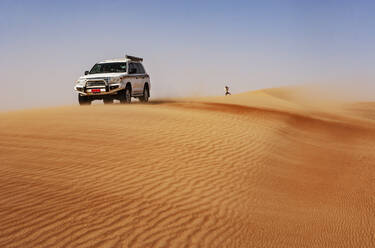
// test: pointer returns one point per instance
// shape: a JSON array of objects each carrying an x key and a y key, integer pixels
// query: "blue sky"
[{"x": 190, "y": 47}]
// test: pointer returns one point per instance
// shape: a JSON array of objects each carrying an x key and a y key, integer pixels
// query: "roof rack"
[{"x": 133, "y": 58}]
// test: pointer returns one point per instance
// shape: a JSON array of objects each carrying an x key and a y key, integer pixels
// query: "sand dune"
[{"x": 258, "y": 169}]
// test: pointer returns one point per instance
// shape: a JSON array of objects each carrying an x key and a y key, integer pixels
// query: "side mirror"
[
  {"x": 133, "y": 70},
  {"x": 86, "y": 72}
]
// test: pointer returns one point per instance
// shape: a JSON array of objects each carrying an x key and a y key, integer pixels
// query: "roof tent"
[{"x": 133, "y": 58}]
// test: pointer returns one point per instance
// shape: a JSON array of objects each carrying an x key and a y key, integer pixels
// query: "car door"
[
  {"x": 135, "y": 78},
  {"x": 142, "y": 76}
]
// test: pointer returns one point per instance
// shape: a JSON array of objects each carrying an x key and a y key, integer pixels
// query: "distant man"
[{"x": 227, "y": 91}]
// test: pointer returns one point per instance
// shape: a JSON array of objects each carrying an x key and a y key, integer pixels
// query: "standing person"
[{"x": 227, "y": 91}]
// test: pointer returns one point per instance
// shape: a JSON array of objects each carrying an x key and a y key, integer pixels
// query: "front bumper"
[{"x": 97, "y": 90}]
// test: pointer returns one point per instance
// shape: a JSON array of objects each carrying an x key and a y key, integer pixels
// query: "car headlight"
[
  {"x": 115, "y": 80},
  {"x": 79, "y": 81}
]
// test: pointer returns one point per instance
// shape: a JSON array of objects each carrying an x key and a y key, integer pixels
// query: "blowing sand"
[{"x": 259, "y": 169}]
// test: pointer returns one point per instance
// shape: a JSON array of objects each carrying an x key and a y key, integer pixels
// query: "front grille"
[{"x": 95, "y": 83}]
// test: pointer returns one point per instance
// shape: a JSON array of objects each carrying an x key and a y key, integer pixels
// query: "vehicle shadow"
[{"x": 155, "y": 102}]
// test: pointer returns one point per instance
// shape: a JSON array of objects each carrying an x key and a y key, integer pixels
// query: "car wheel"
[
  {"x": 145, "y": 96},
  {"x": 83, "y": 100},
  {"x": 126, "y": 96}
]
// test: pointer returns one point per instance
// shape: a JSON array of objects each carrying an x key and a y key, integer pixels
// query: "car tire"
[
  {"x": 108, "y": 100},
  {"x": 125, "y": 95},
  {"x": 146, "y": 95},
  {"x": 83, "y": 100}
]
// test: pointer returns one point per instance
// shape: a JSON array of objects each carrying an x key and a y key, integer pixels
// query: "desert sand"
[{"x": 270, "y": 168}]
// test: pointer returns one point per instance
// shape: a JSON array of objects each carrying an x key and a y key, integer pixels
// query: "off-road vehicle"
[{"x": 119, "y": 79}]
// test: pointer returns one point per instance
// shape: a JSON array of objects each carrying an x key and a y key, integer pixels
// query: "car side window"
[
  {"x": 138, "y": 69},
  {"x": 132, "y": 69},
  {"x": 141, "y": 68}
]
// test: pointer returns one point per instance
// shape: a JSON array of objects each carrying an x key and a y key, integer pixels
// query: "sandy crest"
[{"x": 259, "y": 169}]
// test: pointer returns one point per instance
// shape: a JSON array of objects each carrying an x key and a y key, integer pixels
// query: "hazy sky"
[{"x": 189, "y": 47}]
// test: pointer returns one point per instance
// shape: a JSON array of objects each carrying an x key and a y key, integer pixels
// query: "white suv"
[{"x": 119, "y": 79}]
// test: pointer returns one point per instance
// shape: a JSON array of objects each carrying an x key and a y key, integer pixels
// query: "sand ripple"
[{"x": 187, "y": 174}]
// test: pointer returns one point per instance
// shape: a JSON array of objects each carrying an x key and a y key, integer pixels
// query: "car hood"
[{"x": 103, "y": 75}]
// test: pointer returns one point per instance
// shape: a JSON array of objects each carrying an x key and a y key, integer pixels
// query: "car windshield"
[{"x": 109, "y": 67}]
